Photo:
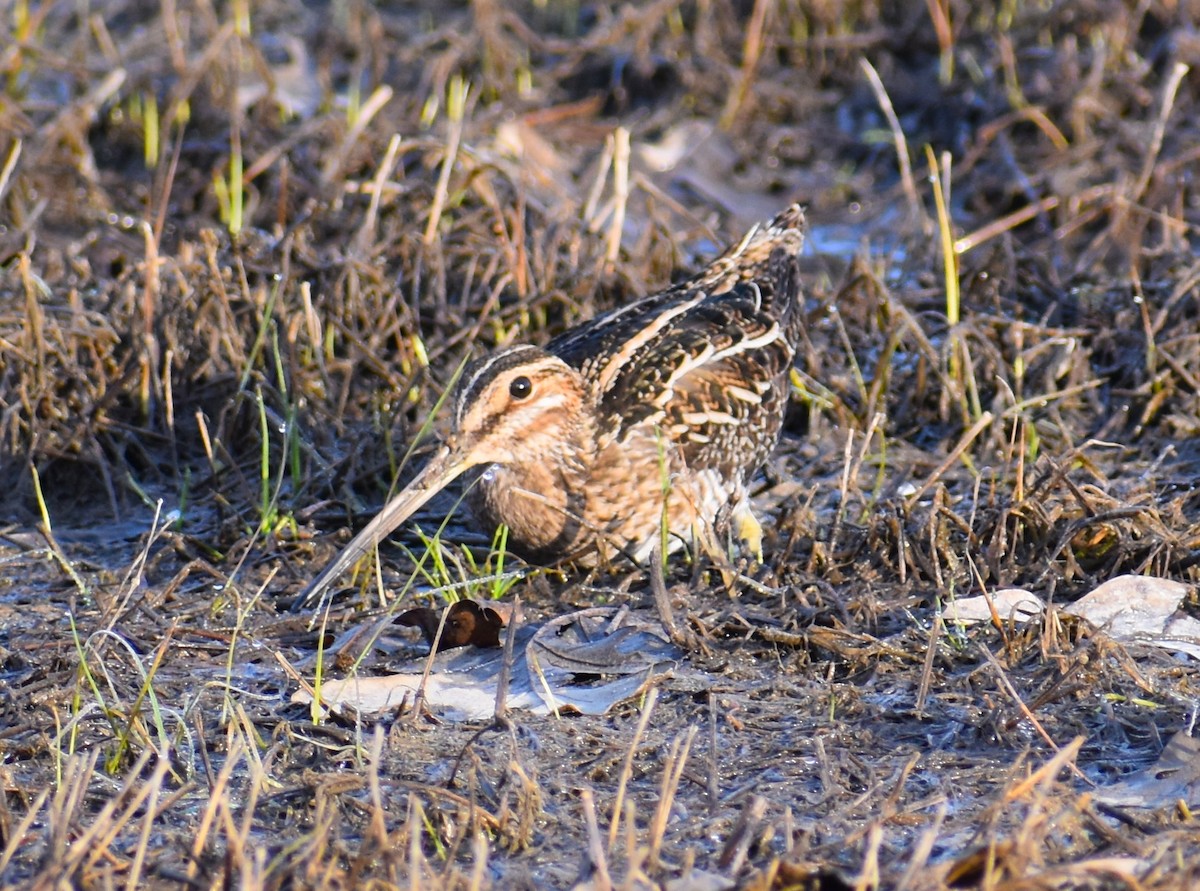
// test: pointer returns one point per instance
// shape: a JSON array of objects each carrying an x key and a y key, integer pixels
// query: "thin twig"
[
  {"x": 902, "y": 156},
  {"x": 595, "y": 847},
  {"x": 1028, "y": 714},
  {"x": 627, "y": 765},
  {"x": 751, "y": 53},
  {"x": 10, "y": 164},
  {"x": 1160, "y": 129},
  {"x": 506, "y": 666},
  {"x": 616, "y": 226},
  {"x": 978, "y": 427}
]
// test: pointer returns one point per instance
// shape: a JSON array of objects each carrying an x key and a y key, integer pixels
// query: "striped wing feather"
[
  {"x": 711, "y": 382},
  {"x": 766, "y": 256},
  {"x": 706, "y": 361}
]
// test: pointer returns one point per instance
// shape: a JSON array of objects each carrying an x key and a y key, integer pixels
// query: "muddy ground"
[{"x": 243, "y": 249}]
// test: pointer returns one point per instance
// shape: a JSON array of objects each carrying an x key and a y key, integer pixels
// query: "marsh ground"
[{"x": 243, "y": 248}]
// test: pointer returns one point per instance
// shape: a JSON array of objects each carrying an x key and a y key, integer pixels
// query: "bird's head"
[{"x": 518, "y": 406}]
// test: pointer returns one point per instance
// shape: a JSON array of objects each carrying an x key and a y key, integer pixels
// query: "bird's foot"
[
  {"x": 748, "y": 531},
  {"x": 732, "y": 543}
]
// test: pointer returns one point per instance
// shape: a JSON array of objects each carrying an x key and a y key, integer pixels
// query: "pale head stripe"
[{"x": 471, "y": 387}]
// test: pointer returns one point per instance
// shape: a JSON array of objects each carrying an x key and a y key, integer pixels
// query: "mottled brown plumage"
[{"x": 667, "y": 406}]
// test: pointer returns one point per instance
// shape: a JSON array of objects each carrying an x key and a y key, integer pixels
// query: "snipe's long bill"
[{"x": 659, "y": 412}]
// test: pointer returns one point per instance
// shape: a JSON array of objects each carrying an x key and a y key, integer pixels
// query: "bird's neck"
[{"x": 540, "y": 496}]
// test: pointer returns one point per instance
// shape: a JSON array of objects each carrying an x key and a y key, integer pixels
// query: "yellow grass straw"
[{"x": 945, "y": 235}]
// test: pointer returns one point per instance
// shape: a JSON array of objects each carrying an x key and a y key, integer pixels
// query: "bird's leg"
[
  {"x": 734, "y": 521},
  {"x": 747, "y": 529},
  {"x": 704, "y": 533}
]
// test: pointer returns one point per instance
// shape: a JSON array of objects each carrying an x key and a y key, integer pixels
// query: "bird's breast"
[{"x": 541, "y": 505}]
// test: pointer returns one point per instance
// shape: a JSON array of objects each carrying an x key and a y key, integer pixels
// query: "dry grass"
[{"x": 235, "y": 283}]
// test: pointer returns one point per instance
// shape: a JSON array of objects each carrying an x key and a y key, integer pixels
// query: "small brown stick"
[
  {"x": 456, "y": 102},
  {"x": 17, "y": 835},
  {"x": 376, "y": 101},
  {"x": 165, "y": 180},
  {"x": 1005, "y": 223},
  {"x": 1031, "y": 718},
  {"x": 217, "y": 796},
  {"x": 416, "y": 859},
  {"x": 889, "y": 112},
  {"x": 997, "y": 619},
  {"x": 475, "y": 812},
  {"x": 869, "y": 877},
  {"x": 1160, "y": 129},
  {"x": 843, "y": 490},
  {"x": 377, "y": 826},
  {"x": 591, "y": 205},
  {"x": 97, "y": 840},
  {"x": 620, "y": 141},
  {"x": 1048, "y": 770},
  {"x": 14, "y": 155},
  {"x": 367, "y": 230},
  {"x": 876, "y": 422},
  {"x": 939, "y": 14},
  {"x": 751, "y": 53},
  {"x": 419, "y": 696},
  {"x": 601, "y": 880},
  {"x": 733, "y": 855},
  {"x": 672, "y": 774},
  {"x": 935, "y": 632},
  {"x": 479, "y": 854},
  {"x": 662, "y": 600},
  {"x": 627, "y": 766},
  {"x": 924, "y": 847},
  {"x": 535, "y": 668},
  {"x": 506, "y": 666},
  {"x": 714, "y": 771}
]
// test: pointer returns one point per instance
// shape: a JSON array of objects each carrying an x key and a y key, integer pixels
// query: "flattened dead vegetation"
[{"x": 243, "y": 250}]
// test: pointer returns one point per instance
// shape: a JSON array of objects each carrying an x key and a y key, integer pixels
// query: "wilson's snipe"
[{"x": 660, "y": 410}]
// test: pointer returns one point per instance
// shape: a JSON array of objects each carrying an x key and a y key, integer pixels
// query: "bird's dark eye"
[{"x": 520, "y": 387}]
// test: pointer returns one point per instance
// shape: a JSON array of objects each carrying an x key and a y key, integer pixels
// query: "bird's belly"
[{"x": 618, "y": 510}]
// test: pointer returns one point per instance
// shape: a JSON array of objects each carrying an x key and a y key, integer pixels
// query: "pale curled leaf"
[
  {"x": 584, "y": 662},
  {"x": 1131, "y": 605},
  {"x": 1011, "y": 604},
  {"x": 1174, "y": 777},
  {"x": 1128, "y": 608}
]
